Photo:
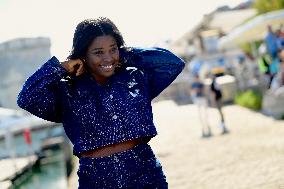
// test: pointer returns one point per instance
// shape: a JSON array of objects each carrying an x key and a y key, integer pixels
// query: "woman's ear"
[{"x": 83, "y": 60}]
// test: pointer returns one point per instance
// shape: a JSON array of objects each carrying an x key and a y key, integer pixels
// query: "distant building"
[
  {"x": 201, "y": 44},
  {"x": 245, "y": 5},
  {"x": 203, "y": 39},
  {"x": 19, "y": 58}
]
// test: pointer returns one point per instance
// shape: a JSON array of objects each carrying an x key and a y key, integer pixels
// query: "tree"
[{"x": 263, "y": 6}]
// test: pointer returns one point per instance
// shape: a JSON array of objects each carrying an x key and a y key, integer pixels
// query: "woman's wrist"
[
  {"x": 65, "y": 65},
  {"x": 73, "y": 67}
]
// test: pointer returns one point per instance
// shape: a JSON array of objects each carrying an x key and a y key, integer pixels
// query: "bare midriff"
[{"x": 114, "y": 148}]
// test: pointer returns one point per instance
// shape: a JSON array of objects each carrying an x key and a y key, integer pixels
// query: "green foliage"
[
  {"x": 263, "y": 6},
  {"x": 250, "y": 99},
  {"x": 248, "y": 48}
]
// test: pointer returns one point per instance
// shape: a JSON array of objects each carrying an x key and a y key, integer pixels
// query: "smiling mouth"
[{"x": 107, "y": 68}]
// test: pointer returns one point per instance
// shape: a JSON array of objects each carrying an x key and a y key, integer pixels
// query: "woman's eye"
[
  {"x": 98, "y": 52},
  {"x": 113, "y": 50}
]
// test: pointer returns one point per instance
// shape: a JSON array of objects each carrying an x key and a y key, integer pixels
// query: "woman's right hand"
[{"x": 74, "y": 67}]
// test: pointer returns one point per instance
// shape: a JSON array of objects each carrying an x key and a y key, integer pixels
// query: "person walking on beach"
[
  {"x": 216, "y": 100},
  {"x": 197, "y": 92},
  {"x": 102, "y": 94}
]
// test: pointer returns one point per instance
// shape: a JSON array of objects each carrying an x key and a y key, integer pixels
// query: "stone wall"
[
  {"x": 273, "y": 103},
  {"x": 19, "y": 58}
]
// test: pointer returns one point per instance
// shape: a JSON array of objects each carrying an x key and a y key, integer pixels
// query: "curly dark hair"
[{"x": 87, "y": 30}]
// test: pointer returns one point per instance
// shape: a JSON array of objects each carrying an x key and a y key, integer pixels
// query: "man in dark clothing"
[{"x": 216, "y": 95}]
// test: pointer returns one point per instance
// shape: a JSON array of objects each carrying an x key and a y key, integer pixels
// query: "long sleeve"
[
  {"x": 40, "y": 95},
  {"x": 161, "y": 66}
]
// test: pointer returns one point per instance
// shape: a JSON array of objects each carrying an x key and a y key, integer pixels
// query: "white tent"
[{"x": 252, "y": 30}]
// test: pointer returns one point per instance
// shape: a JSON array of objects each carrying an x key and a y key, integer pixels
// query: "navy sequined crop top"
[{"x": 95, "y": 115}]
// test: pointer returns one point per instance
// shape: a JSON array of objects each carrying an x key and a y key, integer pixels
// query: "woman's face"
[{"x": 102, "y": 57}]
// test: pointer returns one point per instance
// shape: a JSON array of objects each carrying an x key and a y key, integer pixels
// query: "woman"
[
  {"x": 199, "y": 98},
  {"x": 102, "y": 94}
]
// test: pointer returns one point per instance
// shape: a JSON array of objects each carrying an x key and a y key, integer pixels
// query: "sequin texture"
[
  {"x": 96, "y": 115},
  {"x": 136, "y": 168}
]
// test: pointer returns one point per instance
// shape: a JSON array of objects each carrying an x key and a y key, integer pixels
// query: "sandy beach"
[{"x": 251, "y": 156}]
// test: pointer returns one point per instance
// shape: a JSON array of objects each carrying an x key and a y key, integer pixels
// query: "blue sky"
[{"x": 142, "y": 23}]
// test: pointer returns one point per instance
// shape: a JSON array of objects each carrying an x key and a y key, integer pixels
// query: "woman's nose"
[{"x": 107, "y": 58}]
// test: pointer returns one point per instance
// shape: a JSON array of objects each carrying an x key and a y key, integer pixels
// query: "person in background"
[
  {"x": 216, "y": 100},
  {"x": 271, "y": 42},
  {"x": 198, "y": 95},
  {"x": 280, "y": 40},
  {"x": 264, "y": 62},
  {"x": 277, "y": 84},
  {"x": 242, "y": 76},
  {"x": 102, "y": 95}
]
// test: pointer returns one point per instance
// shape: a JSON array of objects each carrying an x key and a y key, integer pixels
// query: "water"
[
  {"x": 20, "y": 147},
  {"x": 50, "y": 174}
]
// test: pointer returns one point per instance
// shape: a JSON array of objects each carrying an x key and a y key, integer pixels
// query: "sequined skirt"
[{"x": 136, "y": 168}]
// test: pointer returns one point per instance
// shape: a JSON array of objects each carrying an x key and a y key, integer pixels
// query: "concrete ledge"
[
  {"x": 273, "y": 103},
  {"x": 5, "y": 184}
]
